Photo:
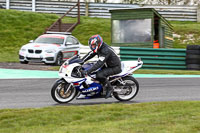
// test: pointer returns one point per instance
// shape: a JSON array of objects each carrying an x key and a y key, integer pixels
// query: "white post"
[
  {"x": 7, "y": 4},
  {"x": 198, "y": 13},
  {"x": 86, "y": 8},
  {"x": 33, "y": 5}
]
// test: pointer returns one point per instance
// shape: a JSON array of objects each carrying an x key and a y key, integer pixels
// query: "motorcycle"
[{"x": 73, "y": 83}]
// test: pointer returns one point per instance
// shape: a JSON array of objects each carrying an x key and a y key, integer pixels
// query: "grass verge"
[
  {"x": 175, "y": 72},
  {"x": 188, "y": 33},
  {"x": 159, "y": 117}
]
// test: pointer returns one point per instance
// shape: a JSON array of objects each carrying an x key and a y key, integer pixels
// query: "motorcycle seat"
[{"x": 122, "y": 72}]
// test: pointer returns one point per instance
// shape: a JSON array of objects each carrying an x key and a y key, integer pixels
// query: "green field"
[
  {"x": 156, "y": 117},
  {"x": 189, "y": 33},
  {"x": 18, "y": 28}
]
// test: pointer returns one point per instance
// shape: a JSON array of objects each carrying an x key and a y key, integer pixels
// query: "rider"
[{"x": 107, "y": 57}]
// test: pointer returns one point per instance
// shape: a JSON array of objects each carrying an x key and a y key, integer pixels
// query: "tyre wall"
[
  {"x": 160, "y": 58},
  {"x": 193, "y": 57}
]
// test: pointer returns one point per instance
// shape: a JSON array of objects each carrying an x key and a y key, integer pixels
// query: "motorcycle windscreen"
[
  {"x": 87, "y": 66},
  {"x": 74, "y": 59}
]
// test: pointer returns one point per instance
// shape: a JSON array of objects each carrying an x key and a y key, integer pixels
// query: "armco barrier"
[
  {"x": 152, "y": 58},
  {"x": 156, "y": 58}
]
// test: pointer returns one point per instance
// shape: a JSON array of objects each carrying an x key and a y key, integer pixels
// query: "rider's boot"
[{"x": 109, "y": 90}]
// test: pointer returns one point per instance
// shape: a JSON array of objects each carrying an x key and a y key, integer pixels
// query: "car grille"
[
  {"x": 34, "y": 59},
  {"x": 38, "y": 51},
  {"x": 34, "y": 51},
  {"x": 30, "y": 51}
]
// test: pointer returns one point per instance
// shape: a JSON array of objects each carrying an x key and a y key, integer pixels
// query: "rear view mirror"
[{"x": 31, "y": 41}]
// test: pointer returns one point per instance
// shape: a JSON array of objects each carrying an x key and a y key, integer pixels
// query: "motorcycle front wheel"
[
  {"x": 128, "y": 91},
  {"x": 63, "y": 92}
]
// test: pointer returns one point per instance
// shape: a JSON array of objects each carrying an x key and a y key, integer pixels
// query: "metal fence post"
[
  {"x": 33, "y": 5},
  {"x": 86, "y": 9},
  {"x": 7, "y": 4},
  {"x": 198, "y": 13}
]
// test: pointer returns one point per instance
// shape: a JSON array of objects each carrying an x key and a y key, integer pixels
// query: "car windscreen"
[{"x": 50, "y": 39}]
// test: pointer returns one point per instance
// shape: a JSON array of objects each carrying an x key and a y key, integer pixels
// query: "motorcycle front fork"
[{"x": 67, "y": 89}]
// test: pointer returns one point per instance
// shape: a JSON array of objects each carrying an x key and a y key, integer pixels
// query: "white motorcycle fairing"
[
  {"x": 128, "y": 67},
  {"x": 72, "y": 82}
]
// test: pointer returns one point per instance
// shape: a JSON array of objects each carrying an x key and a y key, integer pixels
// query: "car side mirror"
[{"x": 31, "y": 41}]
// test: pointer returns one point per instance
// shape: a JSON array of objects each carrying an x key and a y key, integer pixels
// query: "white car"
[{"x": 50, "y": 48}]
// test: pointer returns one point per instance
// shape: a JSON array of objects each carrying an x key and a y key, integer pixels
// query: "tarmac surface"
[
  {"x": 29, "y": 86},
  {"x": 35, "y": 93}
]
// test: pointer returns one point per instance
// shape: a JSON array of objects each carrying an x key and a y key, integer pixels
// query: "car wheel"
[
  {"x": 59, "y": 59},
  {"x": 24, "y": 62}
]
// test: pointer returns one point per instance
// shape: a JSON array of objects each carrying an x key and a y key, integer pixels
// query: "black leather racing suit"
[{"x": 107, "y": 57}]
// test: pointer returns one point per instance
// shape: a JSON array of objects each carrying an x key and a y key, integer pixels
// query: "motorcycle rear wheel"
[
  {"x": 58, "y": 92},
  {"x": 131, "y": 89}
]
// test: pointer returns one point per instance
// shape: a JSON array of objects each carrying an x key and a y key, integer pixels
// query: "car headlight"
[
  {"x": 23, "y": 49},
  {"x": 50, "y": 51}
]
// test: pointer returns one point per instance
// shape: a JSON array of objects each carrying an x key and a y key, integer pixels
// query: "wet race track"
[{"x": 28, "y": 93}]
